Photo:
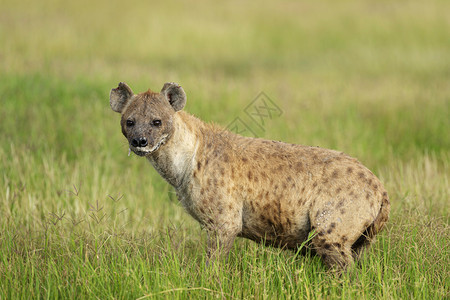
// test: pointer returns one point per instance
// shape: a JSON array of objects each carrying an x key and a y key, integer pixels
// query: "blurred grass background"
[{"x": 367, "y": 78}]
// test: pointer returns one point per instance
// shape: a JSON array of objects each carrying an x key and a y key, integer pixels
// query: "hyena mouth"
[{"x": 143, "y": 151}]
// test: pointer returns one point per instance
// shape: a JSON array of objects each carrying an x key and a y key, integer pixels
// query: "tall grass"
[{"x": 81, "y": 219}]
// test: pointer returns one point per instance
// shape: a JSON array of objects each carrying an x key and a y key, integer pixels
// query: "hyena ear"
[
  {"x": 175, "y": 94},
  {"x": 119, "y": 97}
]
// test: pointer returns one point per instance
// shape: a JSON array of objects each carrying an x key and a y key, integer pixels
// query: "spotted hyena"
[{"x": 263, "y": 190}]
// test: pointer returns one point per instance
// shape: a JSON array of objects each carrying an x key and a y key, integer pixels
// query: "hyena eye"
[
  {"x": 130, "y": 123},
  {"x": 156, "y": 122}
]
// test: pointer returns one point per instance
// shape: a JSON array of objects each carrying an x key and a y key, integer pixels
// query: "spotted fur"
[{"x": 263, "y": 190}]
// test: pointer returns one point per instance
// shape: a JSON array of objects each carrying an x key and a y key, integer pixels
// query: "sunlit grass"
[{"x": 81, "y": 219}]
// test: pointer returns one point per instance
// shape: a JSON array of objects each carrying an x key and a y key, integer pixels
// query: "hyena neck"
[{"x": 174, "y": 160}]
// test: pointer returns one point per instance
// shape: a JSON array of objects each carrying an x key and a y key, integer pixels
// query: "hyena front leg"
[
  {"x": 221, "y": 238},
  {"x": 219, "y": 245}
]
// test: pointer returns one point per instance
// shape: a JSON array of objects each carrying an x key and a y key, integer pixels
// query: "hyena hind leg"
[
  {"x": 362, "y": 243},
  {"x": 336, "y": 256}
]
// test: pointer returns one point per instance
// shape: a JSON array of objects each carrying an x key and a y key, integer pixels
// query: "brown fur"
[{"x": 254, "y": 188}]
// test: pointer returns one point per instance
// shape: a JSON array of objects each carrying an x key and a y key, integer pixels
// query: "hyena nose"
[{"x": 140, "y": 142}]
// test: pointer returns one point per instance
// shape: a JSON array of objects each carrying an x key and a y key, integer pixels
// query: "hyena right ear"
[{"x": 119, "y": 97}]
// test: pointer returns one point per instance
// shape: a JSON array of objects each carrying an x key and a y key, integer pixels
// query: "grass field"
[{"x": 81, "y": 219}]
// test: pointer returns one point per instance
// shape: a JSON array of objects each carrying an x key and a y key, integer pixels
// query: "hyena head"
[{"x": 147, "y": 118}]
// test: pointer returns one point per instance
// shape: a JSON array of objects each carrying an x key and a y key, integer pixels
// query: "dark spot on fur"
[
  {"x": 375, "y": 187},
  {"x": 280, "y": 168},
  {"x": 225, "y": 157},
  {"x": 333, "y": 225},
  {"x": 288, "y": 221},
  {"x": 284, "y": 185},
  {"x": 263, "y": 219},
  {"x": 289, "y": 178},
  {"x": 199, "y": 165},
  {"x": 327, "y": 246},
  {"x": 195, "y": 174},
  {"x": 335, "y": 174},
  {"x": 303, "y": 189},
  {"x": 340, "y": 204},
  {"x": 271, "y": 224},
  {"x": 222, "y": 171},
  {"x": 361, "y": 175},
  {"x": 342, "y": 211},
  {"x": 314, "y": 184},
  {"x": 349, "y": 170},
  {"x": 244, "y": 159},
  {"x": 202, "y": 191},
  {"x": 299, "y": 167},
  {"x": 249, "y": 190},
  {"x": 202, "y": 210},
  {"x": 367, "y": 196},
  {"x": 344, "y": 239},
  {"x": 385, "y": 194},
  {"x": 329, "y": 231},
  {"x": 206, "y": 162},
  {"x": 320, "y": 242},
  {"x": 321, "y": 233},
  {"x": 342, "y": 253}
]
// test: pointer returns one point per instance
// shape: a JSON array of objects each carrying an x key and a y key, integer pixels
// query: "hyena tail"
[
  {"x": 368, "y": 235},
  {"x": 382, "y": 217}
]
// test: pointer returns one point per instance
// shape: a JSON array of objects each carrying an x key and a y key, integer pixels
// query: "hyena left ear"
[
  {"x": 119, "y": 97},
  {"x": 175, "y": 94}
]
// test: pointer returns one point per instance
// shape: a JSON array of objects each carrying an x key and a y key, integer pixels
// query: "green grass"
[{"x": 81, "y": 219}]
